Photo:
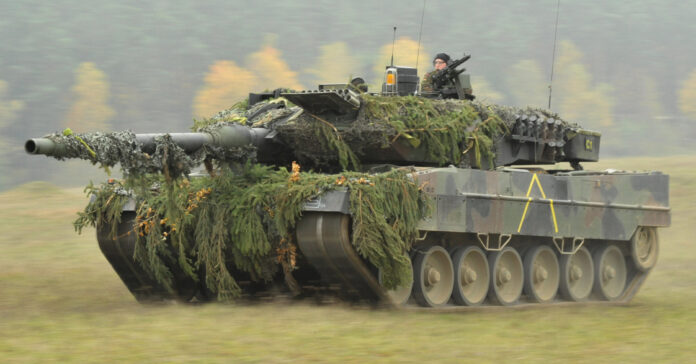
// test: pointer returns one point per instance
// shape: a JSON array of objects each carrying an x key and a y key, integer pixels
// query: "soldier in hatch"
[
  {"x": 439, "y": 62},
  {"x": 455, "y": 85}
]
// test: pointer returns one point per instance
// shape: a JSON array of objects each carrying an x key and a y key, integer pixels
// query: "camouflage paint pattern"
[{"x": 590, "y": 205}]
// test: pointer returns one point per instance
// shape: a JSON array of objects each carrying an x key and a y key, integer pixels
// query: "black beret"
[{"x": 442, "y": 56}]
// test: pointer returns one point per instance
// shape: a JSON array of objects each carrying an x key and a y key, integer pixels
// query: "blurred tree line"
[{"x": 623, "y": 68}]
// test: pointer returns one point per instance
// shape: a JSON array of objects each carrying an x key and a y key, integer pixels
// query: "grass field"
[{"x": 60, "y": 301}]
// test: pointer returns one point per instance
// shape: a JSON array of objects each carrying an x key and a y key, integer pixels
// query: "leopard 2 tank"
[{"x": 500, "y": 228}]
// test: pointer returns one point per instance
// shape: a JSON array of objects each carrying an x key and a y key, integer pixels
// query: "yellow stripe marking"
[
  {"x": 529, "y": 199},
  {"x": 553, "y": 213},
  {"x": 535, "y": 178},
  {"x": 531, "y": 184}
]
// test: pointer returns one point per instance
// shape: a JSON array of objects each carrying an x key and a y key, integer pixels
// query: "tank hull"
[{"x": 504, "y": 217}]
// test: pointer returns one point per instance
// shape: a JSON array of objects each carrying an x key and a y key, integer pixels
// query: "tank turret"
[{"x": 398, "y": 136}]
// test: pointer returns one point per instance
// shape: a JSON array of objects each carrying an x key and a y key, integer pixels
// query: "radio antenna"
[
  {"x": 393, "y": 41},
  {"x": 420, "y": 32},
  {"x": 553, "y": 57}
]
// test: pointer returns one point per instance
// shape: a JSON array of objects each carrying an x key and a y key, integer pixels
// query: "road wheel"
[
  {"x": 644, "y": 248},
  {"x": 610, "y": 272},
  {"x": 541, "y": 274},
  {"x": 471, "y": 277},
  {"x": 433, "y": 277},
  {"x": 577, "y": 275},
  {"x": 400, "y": 294},
  {"x": 507, "y": 276}
]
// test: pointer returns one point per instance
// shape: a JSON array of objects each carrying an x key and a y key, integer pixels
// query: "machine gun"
[{"x": 450, "y": 75}]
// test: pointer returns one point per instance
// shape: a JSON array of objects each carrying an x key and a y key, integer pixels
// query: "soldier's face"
[{"x": 439, "y": 64}]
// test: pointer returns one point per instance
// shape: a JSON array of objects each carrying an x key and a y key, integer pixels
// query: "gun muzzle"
[{"x": 43, "y": 146}]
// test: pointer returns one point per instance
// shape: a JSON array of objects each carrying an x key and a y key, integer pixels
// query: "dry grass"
[{"x": 60, "y": 301}]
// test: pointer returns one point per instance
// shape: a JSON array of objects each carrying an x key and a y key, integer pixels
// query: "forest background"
[{"x": 625, "y": 68}]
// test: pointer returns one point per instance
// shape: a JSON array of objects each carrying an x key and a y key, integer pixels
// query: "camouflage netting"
[
  {"x": 245, "y": 221},
  {"x": 455, "y": 132}
]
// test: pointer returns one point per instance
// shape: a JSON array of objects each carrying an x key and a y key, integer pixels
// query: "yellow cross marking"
[{"x": 529, "y": 199}]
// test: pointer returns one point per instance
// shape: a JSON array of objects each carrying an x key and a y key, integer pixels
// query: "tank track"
[
  {"x": 119, "y": 252},
  {"x": 324, "y": 239},
  {"x": 325, "y": 242}
]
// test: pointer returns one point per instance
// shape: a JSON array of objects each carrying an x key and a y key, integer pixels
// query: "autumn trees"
[
  {"x": 227, "y": 83},
  {"x": 90, "y": 110}
]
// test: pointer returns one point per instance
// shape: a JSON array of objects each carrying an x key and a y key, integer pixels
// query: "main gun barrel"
[{"x": 227, "y": 136}]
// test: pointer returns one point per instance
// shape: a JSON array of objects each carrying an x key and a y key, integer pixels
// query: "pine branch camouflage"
[{"x": 242, "y": 216}]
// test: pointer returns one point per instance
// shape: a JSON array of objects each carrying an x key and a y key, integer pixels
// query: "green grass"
[{"x": 61, "y": 301}]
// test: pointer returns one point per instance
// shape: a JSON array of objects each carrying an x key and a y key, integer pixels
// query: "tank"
[{"x": 459, "y": 209}]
